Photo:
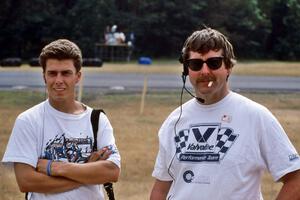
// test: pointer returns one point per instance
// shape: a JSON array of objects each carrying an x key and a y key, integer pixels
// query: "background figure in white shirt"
[
  {"x": 108, "y": 36},
  {"x": 119, "y": 36}
]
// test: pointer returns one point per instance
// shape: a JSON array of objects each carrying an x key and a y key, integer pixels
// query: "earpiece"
[
  {"x": 185, "y": 70},
  {"x": 185, "y": 73},
  {"x": 44, "y": 79}
]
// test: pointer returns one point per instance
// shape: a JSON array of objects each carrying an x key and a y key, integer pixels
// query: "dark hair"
[
  {"x": 207, "y": 39},
  {"x": 61, "y": 49}
]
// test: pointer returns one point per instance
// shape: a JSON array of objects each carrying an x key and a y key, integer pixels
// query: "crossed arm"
[{"x": 66, "y": 176}]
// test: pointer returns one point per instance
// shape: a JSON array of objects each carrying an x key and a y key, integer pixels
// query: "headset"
[
  {"x": 185, "y": 73},
  {"x": 185, "y": 70}
]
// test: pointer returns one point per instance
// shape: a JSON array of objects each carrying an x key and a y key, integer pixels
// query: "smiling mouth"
[{"x": 59, "y": 89}]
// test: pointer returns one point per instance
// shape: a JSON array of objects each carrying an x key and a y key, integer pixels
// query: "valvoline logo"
[{"x": 204, "y": 142}]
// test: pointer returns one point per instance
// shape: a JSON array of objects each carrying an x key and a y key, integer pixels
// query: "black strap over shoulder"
[{"x": 95, "y": 121}]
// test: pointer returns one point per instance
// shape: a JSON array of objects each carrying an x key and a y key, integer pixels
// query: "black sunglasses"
[{"x": 213, "y": 63}]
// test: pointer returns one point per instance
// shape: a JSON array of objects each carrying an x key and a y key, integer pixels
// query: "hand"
[
  {"x": 42, "y": 166},
  {"x": 102, "y": 154}
]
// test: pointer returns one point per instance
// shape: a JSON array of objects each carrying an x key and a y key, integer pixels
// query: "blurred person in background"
[
  {"x": 114, "y": 36},
  {"x": 118, "y": 35}
]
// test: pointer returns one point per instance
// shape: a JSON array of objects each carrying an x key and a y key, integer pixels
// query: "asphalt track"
[{"x": 155, "y": 82}]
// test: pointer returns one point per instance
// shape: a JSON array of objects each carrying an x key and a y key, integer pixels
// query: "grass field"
[{"x": 136, "y": 134}]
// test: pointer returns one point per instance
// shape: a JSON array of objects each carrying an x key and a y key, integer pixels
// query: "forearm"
[
  {"x": 289, "y": 193},
  {"x": 98, "y": 172},
  {"x": 51, "y": 185},
  {"x": 29, "y": 180},
  {"x": 290, "y": 188},
  {"x": 89, "y": 173},
  {"x": 160, "y": 190},
  {"x": 157, "y": 195}
]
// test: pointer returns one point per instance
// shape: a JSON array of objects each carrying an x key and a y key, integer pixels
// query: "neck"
[
  {"x": 211, "y": 99},
  {"x": 70, "y": 107},
  {"x": 218, "y": 95}
]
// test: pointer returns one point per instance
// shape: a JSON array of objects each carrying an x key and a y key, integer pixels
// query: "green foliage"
[
  {"x": 246, "y": 26},
  {"x": 286, "y": 29},
  {"x": 257, "y": 28},
  {"x": 162, "y": 26}
]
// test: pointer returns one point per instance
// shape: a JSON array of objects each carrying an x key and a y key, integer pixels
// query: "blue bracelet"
[{"x": 49, "y": 167}]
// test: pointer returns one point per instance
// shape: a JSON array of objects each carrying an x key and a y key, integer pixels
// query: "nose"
[
  {"x": 58, "y": 78},
  {"x": 205, "y": 69}
]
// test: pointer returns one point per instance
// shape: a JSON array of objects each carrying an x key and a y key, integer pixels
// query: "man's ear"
[
  {"x": 78, "y": 76},
  {"x": 229, "y": 70},
  {"x": 44, "y": 78}
]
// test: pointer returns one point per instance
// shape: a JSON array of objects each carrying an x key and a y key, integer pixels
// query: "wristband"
[{"x": 49, "y": 167}]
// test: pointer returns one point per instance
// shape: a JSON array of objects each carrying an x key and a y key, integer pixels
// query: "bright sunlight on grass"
[{"x": 136, "y": 135}]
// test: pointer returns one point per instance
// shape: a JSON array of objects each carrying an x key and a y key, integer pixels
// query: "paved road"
[{"x": 134, "y": 82}]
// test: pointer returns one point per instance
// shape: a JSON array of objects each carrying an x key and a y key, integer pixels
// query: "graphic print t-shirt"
[
  {"x": 220, "y": 151},
  {"x": 43, "y": 132},
  {"x": 67, "y": 137}
]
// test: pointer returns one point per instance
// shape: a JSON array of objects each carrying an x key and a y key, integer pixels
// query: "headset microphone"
[
  {"x": 200, "y": 99},
  {"x": 185, "y": 73},
  {"x": 183, "y": 76}
]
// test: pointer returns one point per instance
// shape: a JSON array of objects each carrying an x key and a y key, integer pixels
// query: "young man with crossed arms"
[{"x": 51, "y": 143}]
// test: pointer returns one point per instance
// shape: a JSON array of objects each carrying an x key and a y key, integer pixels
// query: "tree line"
[{"x": 258, "y": 29}]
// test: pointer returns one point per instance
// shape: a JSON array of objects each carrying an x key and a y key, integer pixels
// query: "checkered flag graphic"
[
  {"x": 181, "y": 140},
  {"x": 225, "y": 139}
]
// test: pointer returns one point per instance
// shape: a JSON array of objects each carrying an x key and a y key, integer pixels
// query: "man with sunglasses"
[{"x": 217, "y": 145}]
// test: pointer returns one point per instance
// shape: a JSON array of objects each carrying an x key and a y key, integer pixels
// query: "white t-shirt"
[
  {"x": 44, "y": 132},
  {"x": 120, "y": 37},
  {"x": 220, "y": 151}
]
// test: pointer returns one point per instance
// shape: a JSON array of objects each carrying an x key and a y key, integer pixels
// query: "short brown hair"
[
  {"x": 207, "y": 39},
  {"x": 61, "y": 49}
]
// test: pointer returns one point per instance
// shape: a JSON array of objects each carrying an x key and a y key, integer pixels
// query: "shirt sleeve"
[
  {"x": 161, "y": 167},
  {"x": 277, "y": 150},
  {"x": 22, "y": 145},
  {"x": 106, "y": 139}
]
